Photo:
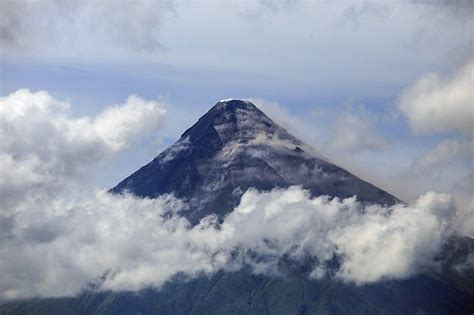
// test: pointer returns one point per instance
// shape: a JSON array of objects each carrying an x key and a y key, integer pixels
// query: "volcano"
[{"x": 230, "y": 149}]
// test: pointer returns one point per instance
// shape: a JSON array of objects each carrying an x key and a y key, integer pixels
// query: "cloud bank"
[
  {"x": 434, "y": 104},
  {"x": 62, "y": 245},
  {"x": 59, "y": 236},
  {"x": 355, "y": 132}
]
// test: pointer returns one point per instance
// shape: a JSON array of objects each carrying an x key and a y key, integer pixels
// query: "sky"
[{"x": 382, "y": 88}]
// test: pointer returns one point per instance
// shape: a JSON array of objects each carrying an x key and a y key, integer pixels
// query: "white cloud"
[
  {"x": 355, "y": 132},
  {"x": 80, "y": 237},
  {"x": 120, "y": 124},
  {"x": 435, "y": 104},
  {"x": 136, "y": 243},
  {"x": 298, "y": 225},
  {"x": 43, "y": 146},
  {"x": 449, "y": 150},
  {"x": 412, "y": 234}
]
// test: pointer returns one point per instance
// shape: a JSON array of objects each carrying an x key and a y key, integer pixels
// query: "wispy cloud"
[
  {"x": 354, "y": 131},
  {"x": 434, "y": 104}
]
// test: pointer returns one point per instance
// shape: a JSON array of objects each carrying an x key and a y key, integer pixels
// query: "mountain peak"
[
  {"x": 232, "y": 105},
  {"x": 232, "y": 148},
  {"x": 232, "y": 119}
]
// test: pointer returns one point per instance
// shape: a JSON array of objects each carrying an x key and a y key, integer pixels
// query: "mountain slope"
[{"x": 233, "y": 147}]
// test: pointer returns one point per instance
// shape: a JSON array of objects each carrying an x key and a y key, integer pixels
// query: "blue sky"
[{"x": 325, "y": 70}]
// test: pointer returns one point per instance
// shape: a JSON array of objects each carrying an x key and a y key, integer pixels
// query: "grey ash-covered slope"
[{"x": 233, "y": 147}]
